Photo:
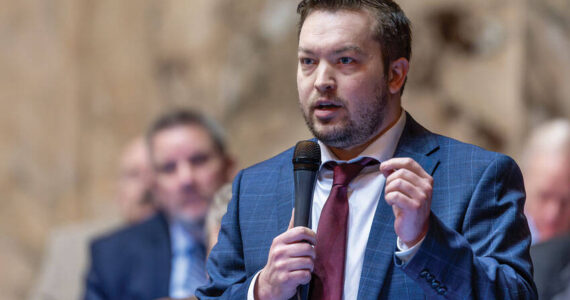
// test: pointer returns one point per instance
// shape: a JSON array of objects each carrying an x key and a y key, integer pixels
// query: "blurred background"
[{"x": 80, "y": 78}]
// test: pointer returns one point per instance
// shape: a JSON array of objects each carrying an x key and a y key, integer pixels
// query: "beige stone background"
[{"x": 78, "y": 78}]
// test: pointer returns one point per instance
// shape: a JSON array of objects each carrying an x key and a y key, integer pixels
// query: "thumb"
[{"x": 291, "y": 222}]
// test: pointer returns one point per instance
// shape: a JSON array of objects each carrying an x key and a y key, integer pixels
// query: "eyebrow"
[
  {"x": 338, "y": 51},
  {"x": 301, "y": 49},
  {"x": 349, "y": 48}
]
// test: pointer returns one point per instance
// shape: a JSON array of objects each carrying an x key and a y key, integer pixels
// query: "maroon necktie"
[{"x": 328, "y": 274}]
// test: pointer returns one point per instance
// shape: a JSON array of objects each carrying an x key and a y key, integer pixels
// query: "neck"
[{"x": 352, "y": 152}]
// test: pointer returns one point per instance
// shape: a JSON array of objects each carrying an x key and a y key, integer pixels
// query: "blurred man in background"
[
  {"x": 546, "y": 168},
  {"x": 165, "y": 255},
  {"x": 213, "y": 220},
  {"x": 135, "y": 177},
  {"x": 65, "y": 260}
]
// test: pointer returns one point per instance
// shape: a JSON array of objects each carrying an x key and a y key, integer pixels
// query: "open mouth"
[
  {"x": 325, "y": 105},
  {"x": 326, "y": 110}
]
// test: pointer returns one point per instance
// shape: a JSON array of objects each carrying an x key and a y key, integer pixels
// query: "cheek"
[
  {"x": 211, "y": 177},
  {"x": 164, "y": 187},
  {"x": 566, "y": 210},
  {"x": 360, "y": 88},
  {"x": 304, "y": 87}
]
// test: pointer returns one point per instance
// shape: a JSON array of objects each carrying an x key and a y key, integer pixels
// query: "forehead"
[
  {"x": 551, "y": 161},
  {"x": 549, "y": 170},
  {"x": 135, "y": 153},
  {"x": 339, "y": 28},
  {"x": 181, "y": 138}
]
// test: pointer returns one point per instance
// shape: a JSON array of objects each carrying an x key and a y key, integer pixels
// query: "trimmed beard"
[{"x": 356, "y": 131}]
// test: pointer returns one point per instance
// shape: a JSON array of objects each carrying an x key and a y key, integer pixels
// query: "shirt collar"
[
  {"x": 184, "y": 238},
  {"x": 382, "y": 148}
]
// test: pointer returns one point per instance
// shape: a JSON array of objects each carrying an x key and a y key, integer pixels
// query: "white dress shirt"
[
  {"x": 364, "y": 192},
  {"x": 188, "y": 260}
]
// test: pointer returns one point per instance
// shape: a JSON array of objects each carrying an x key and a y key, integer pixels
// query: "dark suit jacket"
[
  {"x": 551, "y": 266},
  {"x": 476, "y": 247},
  {"x": 132, "y": 263}
]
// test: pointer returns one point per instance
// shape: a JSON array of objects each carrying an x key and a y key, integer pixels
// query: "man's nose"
[
  {"x": 325, "y": 80},
  {"x": 186, "y": 174}
]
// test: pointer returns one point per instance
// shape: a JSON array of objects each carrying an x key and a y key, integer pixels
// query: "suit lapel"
[
  {"x": 161, "y": 254},
  {"x": 150, "y": 274},
  {"x": 285, "y": 191},
  {"x": 418, "y": 144}
]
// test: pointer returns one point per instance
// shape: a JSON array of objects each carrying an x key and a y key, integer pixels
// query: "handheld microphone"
[{"x": 306, "y": 163}]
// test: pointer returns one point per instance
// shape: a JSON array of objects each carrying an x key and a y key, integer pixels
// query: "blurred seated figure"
[
  {"x": 217, "y": 211},
  {"x": 551, "y": 261},
  {"x": 546, "y": 170},
  {"x": 66, "y": 255},
  {"x": 165, "y": 255},
  {"x": 135, "y": 177}
]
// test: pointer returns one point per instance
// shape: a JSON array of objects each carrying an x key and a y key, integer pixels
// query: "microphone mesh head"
[{"x": 307, "y": 155}]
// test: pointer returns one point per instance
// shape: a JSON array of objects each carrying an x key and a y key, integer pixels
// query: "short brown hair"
[
  {"x": 393, "y": 30},
  {"x": 180, "y": 117}
]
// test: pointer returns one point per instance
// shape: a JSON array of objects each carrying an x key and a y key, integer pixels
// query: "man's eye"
[
  {"x": 307, "y": 61},
  {"x": 199, "y": 159},
  {"x": 346, "y": 60},
  {"x": 168, "y": 168}
]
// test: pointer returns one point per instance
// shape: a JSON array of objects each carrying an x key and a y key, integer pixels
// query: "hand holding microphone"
[{"x": 291, "y": 256}]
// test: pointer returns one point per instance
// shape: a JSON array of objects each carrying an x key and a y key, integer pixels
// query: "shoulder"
[
  {"x": 418, "y": 139},
  {"x": 464, "y": 154},
  {"x": 475, "y": 170},
  {"x": 457, "y": 160},
  {"x": 129, "y": 236},
  {"x": 283, "y": 158},
  {"x": 453, "y": 147},
  {"x": 558, "y": 247},
  {"x": 265, "y": 179},
  {"x": 270, "y": 167}
]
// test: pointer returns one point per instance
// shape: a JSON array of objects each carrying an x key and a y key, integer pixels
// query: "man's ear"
[{"x": 397, "y": 74}]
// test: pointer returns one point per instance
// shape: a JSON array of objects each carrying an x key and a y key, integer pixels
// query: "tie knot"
[{"x": 344, "y": 173}]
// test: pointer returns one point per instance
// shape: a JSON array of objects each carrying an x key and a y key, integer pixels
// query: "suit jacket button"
[
  {"x": 429, "y": 277},
  {"x": 442, "y": 290},
  {"x": 424, "y": 273},
  {"x": 435, "y": 284}
]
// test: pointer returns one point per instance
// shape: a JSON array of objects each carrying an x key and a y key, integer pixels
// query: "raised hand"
[{"x": 408, "y": 190}]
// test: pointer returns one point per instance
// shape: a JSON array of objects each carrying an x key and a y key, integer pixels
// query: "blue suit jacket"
[
  {"x": 132, "y": 263},
  {"x": 477, "y": 246}
]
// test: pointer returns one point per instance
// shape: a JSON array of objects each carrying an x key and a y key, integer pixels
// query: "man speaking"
[{"x": 397, "y": 211}]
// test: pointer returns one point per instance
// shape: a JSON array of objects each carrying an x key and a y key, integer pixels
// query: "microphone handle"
[{"x": 304, "y": 184}]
